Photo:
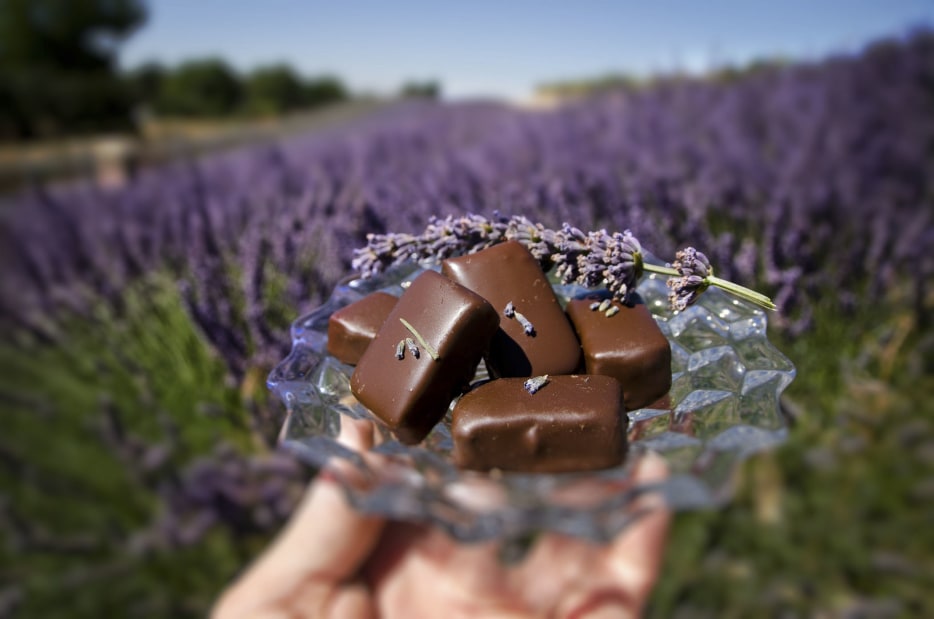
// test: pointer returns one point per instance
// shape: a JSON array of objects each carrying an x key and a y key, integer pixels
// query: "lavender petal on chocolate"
[
  {"x": 353, "y": 327},
  {"x": 574, "y": 423},
  {"x": 452, "y": 327},
  {"x": 535, "y": 336},
  {"x": 624, "y": 341}
]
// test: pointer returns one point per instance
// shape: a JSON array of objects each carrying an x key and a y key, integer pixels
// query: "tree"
[
  {"x": 57, "y": 65},
  {"x": 429, "y": 89},
  {"x": 323, "y": 90},
  {"x": 274, "y": 89},
  {"x": 203, "y": 87},
  {"x": 146, "y": 82}
]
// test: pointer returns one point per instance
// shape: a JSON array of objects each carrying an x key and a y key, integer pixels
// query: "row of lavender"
[{"x": 808, "y": 180}]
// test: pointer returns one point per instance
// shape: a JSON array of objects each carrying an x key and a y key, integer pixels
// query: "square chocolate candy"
[
  {"x": 534, "y": 337},
  {"x": 624, "y": 343},
  {"x": 408, "y": 376},
  {"x": 571, "y": 423},
  {"x": 353, "y": 327}
]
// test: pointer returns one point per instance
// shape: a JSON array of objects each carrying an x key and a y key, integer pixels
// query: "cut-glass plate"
[{"x": 723, "y": 406}]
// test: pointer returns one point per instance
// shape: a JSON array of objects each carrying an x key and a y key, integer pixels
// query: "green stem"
[
  {"x": 418, "y": 336},
  {"x": 742, "y": 292},
  {"x": 654, "y": 268}
]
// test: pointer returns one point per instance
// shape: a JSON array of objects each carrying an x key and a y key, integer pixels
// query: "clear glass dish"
[{"x": 723, "y": 407}]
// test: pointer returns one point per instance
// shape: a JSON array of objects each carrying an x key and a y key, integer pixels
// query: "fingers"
[
  {"x": 577, "y": 578},
  {"x": 352, "y": 600},
  {"x": 418, "y": 569},
  {"x": 636, "y": 555},
  {"x": 324, "y": 544}
]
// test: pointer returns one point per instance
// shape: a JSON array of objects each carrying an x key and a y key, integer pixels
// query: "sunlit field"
[{"x": 138, "y": 454}]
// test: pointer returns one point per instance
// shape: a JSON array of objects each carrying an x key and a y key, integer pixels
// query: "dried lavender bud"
[
  {"x": 595, "y": 306},
  {"x": 593, "y": 259},
  {"x": 689, "y": 262},
  {"x": 510, "y": 310},
  {"x": 412, "y": 347},
  {"x": 526, "y": 325},
  {"x": 421, "y": 340},
  {"x": 535, "y": 383},
  {"x": 604, "y": 305},
  {"x": 400, "y": 350},
  {"x": 613, "y": 311},
  {"x": 694, "y": 270}
]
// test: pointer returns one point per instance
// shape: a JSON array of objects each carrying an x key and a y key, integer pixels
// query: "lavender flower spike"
[
  {"x": 695, "y": 275},
  {"x": 693, "y": 270},
  {"x": 593, "y": 259}
]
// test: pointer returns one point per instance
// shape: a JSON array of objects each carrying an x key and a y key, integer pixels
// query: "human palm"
[{"x": 332, "y": 561}]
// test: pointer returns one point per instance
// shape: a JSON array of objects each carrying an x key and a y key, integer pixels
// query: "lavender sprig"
[
  {"x": 593, "y": 259},
  {"x": 695, "y": 275}
]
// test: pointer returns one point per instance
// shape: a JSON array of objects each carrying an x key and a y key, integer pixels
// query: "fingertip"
[
  {"x": 652, "y": 468},
  {"x": 357, "y": 434},
  {"x": 637, "y": 553},
  {"x": 352, "y": 600}
]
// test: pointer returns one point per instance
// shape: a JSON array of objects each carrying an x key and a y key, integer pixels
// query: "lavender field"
[{"x": 138, "y": 460}]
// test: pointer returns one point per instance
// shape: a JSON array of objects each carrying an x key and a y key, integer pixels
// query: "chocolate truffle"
[
  {"x": 572, "y": 423},
  {"x": 352, "y": 328},
  {"x": 536, "y": 337},
  {"x": 411, "y": 391},
  {"x": 627, "y": 344}
]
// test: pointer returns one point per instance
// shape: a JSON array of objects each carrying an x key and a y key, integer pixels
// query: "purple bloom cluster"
[
  {"x": 243, "y": 494},
  {"x": 693, "y": 269},
  {"x": 593, "y": 259}
]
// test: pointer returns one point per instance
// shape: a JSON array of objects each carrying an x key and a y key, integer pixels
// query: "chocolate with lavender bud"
[
  {"x": 535, "y": 336},
  {"x": 570, "y": 423},
  {"x": 625, "y": 344},
  {"x": 353, "y": 327},
  {"x": 451, "y": 326}
]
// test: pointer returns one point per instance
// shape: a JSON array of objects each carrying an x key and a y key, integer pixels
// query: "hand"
[{"x": 332, "y": 561}]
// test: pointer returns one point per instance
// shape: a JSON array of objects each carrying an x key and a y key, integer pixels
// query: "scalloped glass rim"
[{"x": 727, "y": 379}]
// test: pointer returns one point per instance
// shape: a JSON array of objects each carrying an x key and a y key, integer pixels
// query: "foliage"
[
  {"x": 146, "y": 82},
  {"x": 429, "y": 89},
  {"x": 323, "y": 90},
  {"x": 204, "y": 87},
  {"x": 274, "y": 90},
  {"x": 208, "y": 87},
  {"x": 836, "y": 522},
  {"x": 131, "y": 466},
  {"x": 57, "y": 65},
  {"x": 278, "y": 89}
]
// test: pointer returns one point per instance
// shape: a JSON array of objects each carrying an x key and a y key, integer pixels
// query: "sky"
[{"x": 505, "y": 49}]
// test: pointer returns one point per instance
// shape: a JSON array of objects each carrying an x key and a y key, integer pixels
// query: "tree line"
[
  {"x": 59, "y": 75},
  {"x": 209, "y": 87}
]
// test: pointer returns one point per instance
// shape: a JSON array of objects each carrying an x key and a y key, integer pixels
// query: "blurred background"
[{"x": 179, "y": 181}]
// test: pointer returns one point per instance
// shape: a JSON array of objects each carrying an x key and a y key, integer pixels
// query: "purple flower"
[{"x": 694, "y": 270}]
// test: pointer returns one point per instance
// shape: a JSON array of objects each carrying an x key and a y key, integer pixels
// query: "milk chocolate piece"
[
  {"x": 628, "y": 346},
  {"x": 572, "y": 423},
  {"x": 352, "y": 328},
  {"x": 508, "y": 273},
  {"x": 412, "y": 393}
]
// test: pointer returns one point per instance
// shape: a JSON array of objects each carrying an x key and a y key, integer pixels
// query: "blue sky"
[{"x": 504, "y": 49}]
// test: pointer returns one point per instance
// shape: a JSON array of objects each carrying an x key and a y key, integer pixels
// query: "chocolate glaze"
[
  {"x": 628, "y": 346},
  {"x": 573, "y": 423},
  {"x": 508, "y": 272},
  {"x": 352, "y": 328},
  {"x": 412, "y": 394}
]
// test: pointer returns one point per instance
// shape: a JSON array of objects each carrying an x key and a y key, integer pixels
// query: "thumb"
[
  {"x": 324, "y": 544},
  {"x": 637, "y": 553}
]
